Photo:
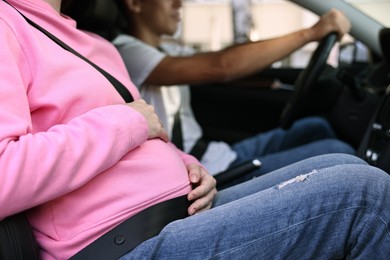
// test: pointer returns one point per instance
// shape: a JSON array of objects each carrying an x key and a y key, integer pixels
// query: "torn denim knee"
[{"x": 299, "y": 178}]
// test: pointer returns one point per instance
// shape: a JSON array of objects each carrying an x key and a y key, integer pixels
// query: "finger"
[
  {"x": 201, "y": 204},
  {"x": 207, "y": 186},
  {"x": 195, "y": 177},
  {"x": 164, "y": 135},
  {"x": 195, "y": 173},
  {"x": 196, "y": 193},
  {"x": 199, "y": 190},
  {"x": 195, "y": 210}
]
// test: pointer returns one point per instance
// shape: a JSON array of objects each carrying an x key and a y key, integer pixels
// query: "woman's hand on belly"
[
  {"x": 204, "y": 189},
  {"x": 156, "y": 129}
]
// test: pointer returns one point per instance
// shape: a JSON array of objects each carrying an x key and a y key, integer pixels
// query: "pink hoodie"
[{"x": 68, "y": 144}]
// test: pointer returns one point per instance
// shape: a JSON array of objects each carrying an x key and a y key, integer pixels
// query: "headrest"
[{"x": 99, "y": 16}]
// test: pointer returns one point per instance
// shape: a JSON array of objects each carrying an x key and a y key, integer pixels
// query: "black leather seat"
[
  {"x": 17, "y": 241},
  {"x": 99, "y": 16}
]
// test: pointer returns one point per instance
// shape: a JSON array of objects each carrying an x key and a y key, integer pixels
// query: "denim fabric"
[
  {"x": 326, "y": 207},
  {"x": 279, "y": 147}
]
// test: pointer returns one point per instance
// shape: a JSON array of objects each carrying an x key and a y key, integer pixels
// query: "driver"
[{"x": 163, "y": 71}]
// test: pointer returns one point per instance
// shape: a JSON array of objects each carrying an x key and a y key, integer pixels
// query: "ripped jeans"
[{"x": 325, "y": 207}]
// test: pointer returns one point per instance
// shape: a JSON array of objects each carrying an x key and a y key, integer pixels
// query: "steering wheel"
[{"x": 307, "y": 80}]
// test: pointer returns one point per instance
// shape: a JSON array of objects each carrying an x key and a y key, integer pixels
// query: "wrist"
[{"x": 308, "y": 35}]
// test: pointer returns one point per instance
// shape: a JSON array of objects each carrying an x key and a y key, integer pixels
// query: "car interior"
[{"x": 354, "y": 97}]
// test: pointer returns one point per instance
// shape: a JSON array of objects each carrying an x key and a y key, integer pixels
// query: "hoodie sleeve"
[{"x": 38, "y": 166}]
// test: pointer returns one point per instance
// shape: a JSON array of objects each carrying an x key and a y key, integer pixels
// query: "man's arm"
[{"x": 244, "y": 59}]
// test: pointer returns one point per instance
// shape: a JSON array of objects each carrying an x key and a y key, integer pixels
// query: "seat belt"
[
  {"x": 146, "y": 224},
  {"x": 199, "y": 147},
  {"x": 122, "y": 90},
  {"x": 177, "y": 132}
]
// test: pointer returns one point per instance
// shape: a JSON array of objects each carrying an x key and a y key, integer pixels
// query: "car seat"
[
  {"x": 99, "y": 16},
  {"x": 17, "y": 240}
]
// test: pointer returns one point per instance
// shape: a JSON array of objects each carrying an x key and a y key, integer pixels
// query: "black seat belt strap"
[
  {"x": 177, "y": 133},
  {"x": 135, "y": 230},
  {"x": 122, "y": 90}
]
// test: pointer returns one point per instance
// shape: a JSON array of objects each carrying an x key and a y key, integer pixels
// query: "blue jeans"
[
  {"x": 277, "y": 148},
  {"x": 325, "y": 207}
]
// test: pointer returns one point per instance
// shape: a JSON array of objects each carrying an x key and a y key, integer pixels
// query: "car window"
[
  {"x": 216, "y": 28},
  {"x": 377, "y": 9}
]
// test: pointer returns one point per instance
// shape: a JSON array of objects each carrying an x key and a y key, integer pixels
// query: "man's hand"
[
  {"x": 204, "y": 189},
  {"x": 156, "y": 129},
  {"x": 332, "y": 21}
]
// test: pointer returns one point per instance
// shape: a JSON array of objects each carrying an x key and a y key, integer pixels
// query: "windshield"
[
  {"x": 377, "y": 9},
  {"x": 221, "y": 22}
]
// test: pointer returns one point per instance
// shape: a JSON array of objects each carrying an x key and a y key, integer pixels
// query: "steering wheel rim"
[{"x": 306, "y": 80}]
